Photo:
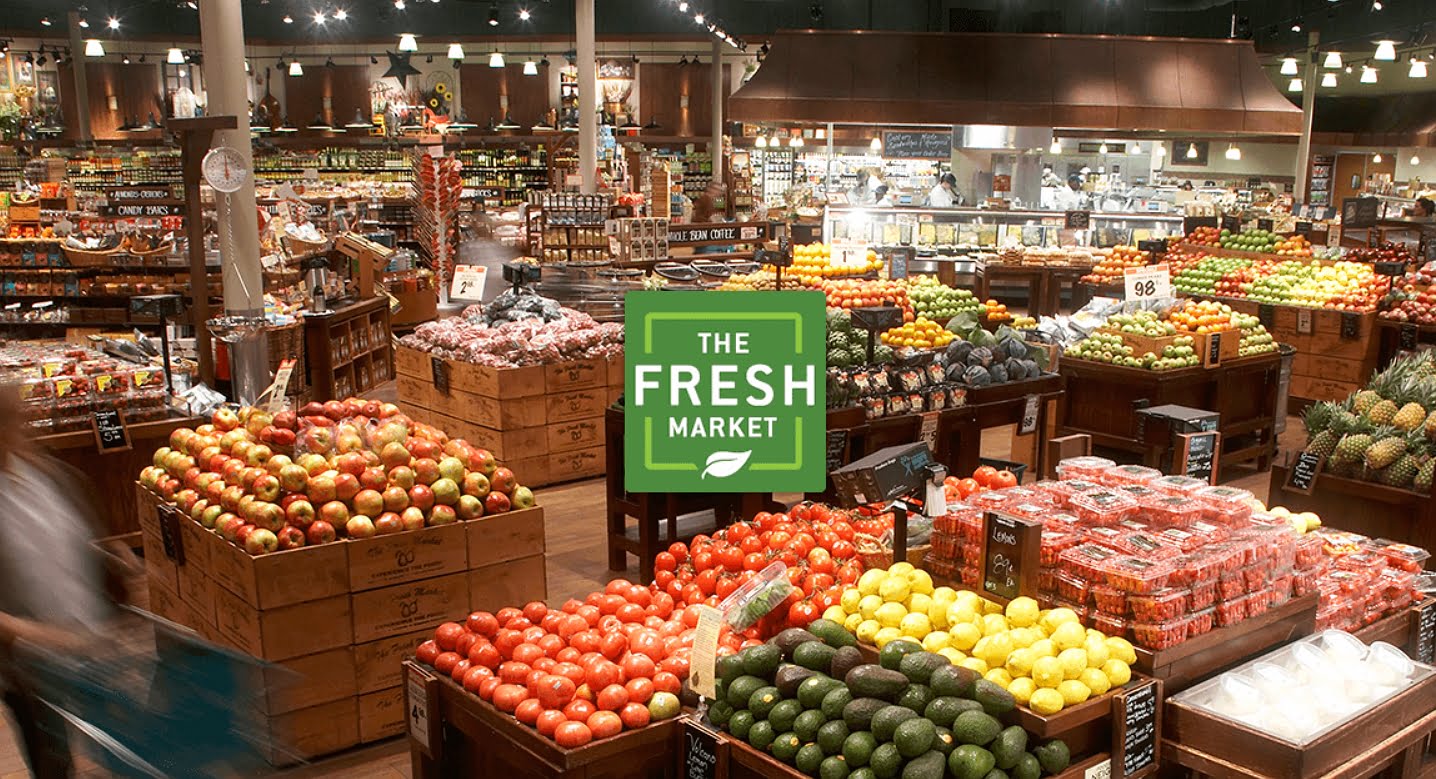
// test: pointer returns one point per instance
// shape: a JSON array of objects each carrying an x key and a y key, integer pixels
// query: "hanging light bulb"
[
  {"x": 1055, "y": 147},
  {"x": 1386, "y": 51},
  {"x": 797, "y": 140},
  {"x": 1103, "y": 148},
  {"x": 1332, "y": 61},
  {"x": 1328, "y": 80},
  {"x": 1368, "y": 74},
  {"x": 407, "y": 42},
  {"x": 93, "y": 48},
  {"x": 341, "y": 14},
  {"x": 1415, "y": 160},
  {"x": 496, "y": 60},
  {"x": 456, "y": 52},
  {"x": 760, "y": 142},
  {"x": 175, "y": 57},
  {"x": 1294, "y": 85},
  {"x": 530, "y": 68},
  {"x": 295, "y": 69},
  {"x": 1376, "y": 158},
  {"x": 1159, "y": 150},
  {"x": 1418, "y": 68},
  {"x": 1288, "y": 66},
  {"x": 1233, "y": 152},
  {"x": 1191, "y": 151},
  {"x": 876, "y": 145}
]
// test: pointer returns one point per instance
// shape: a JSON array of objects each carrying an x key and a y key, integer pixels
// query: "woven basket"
[
  {"x": 875, "y": 555},
  {"x": 86, "y": 258},
  {"x": 298, "y": 248},
  {"x": 286, "y": 342},
  {"x": 162, "y": 250}
]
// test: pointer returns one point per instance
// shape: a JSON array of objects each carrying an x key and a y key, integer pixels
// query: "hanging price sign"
[{"x": 1149, "y": 283}]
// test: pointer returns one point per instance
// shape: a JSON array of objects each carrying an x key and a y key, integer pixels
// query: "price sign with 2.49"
[{"x": 1150, "y": 283}]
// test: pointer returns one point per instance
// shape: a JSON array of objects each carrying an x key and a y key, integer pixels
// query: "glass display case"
[{"x": 946, "y": 230}]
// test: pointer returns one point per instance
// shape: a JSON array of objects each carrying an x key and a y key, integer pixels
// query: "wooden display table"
[
  {"x": 1391, "y": 335},
  {"x": 1102, "y": 400},
  {"x": 1364, "y": 507},
  {"x": 1192, "y": 661},
  {"x": 1336, "y": 351},
  {"x": 112, "y": 474},
  {"x": 1044, "y": 284},
  {"x": 468, "y": 737}
]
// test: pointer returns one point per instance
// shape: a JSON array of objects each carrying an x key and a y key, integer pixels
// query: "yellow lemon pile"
[{"x": 1045, "y": 658}]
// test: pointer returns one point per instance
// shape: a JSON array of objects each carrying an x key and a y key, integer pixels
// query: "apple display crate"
[
  {"x": 336, "y": 620},
  {"x": 544, "y": 422}
]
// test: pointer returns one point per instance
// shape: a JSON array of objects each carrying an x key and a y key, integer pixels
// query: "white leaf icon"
[{"x": 725, "y": 464}]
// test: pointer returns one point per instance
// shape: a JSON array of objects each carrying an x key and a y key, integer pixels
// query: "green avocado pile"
[{"x": 807, "y": 698}]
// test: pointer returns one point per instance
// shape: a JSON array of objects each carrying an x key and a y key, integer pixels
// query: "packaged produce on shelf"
[
  {"x": 1309, "y": 688},
  {"x": 359, "y": 468},
  {"x": 586, "y": 671},
  {"x": 1044, "y": 659},
  {"x": 516, "y": 331},
  {"x": 60, "y": 385},
  {"x": 1382, "y": 433},
  {"x": 808, "y": 699}
]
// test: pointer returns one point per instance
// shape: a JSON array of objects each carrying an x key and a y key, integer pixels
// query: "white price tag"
[
  {"x": 1102, "y": 770},
  {"x": 928, "y": 432},
  {"x": 419, "y": 709},
  {"x": 702, "y": 668},
  {"x": 1150, "y": 283},
  {"x": 468, "y": 282},
  {"x": 1029, "y": 415},
  {"x": 1303, "y": 321},
  {"x": 280, "y": 387}
]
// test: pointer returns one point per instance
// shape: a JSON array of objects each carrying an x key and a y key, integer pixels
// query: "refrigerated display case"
[{"x": 955, "y": 230}]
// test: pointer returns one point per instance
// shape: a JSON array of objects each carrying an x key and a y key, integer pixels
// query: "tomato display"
[{"x": 984, "y": 478}]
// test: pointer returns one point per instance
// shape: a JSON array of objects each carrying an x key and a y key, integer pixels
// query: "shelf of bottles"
[
  {"x": 504, "y": 176},
  {"x": 336, "y": 163}
]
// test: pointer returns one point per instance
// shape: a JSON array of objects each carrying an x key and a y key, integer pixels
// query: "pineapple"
[
  {"x": 1353, "y": 446},
  {"x": 1411, "y": 416},
  {"x": 1402, "y": 472},
  {"x": 1363, "y": 401},
  {"x": 1430, "y": 426},
  {"x": 1322, "y": 429},
  {"x": 1383, "y": 413},
  {"x": 1389, "y": 446},
  {"x": 1425, "y": 475}
]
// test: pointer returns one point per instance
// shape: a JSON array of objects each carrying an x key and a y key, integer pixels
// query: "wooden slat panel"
[{"x": 345, "y": 86}]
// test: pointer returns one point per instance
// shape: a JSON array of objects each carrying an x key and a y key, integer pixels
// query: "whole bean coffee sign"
[{"x": 725, "y": 393}]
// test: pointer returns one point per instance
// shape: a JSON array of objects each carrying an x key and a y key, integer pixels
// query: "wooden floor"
[{"x": 577, "y": 564}]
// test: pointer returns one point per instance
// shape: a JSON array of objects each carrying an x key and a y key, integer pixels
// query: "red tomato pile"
[
  {"x": 614, "y": 661},
  {"x": 983, "y": 479},
  {"x": 813, "y": 540}
]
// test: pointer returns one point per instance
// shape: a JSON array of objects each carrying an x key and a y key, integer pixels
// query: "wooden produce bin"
[
  {"x": 1371, "y": 509},
  {"x": 455, "y": 733},
  {"x": 545, "y": 422},
  {"x": 1336, "y": 352},
  {"x": 337, "y": 619},
  {"x": 1392, "y": 735},
  {"x": 348, "y": 351},
  {"x": 1102, "y": 400}
]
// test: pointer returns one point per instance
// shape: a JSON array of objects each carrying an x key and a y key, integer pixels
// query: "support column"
[
  {"x": 1308, "y": 111},
  {"x": 587, "y": 96},
  {"x": 81, "y": 119},
  {"x": 720, "y": 88}
]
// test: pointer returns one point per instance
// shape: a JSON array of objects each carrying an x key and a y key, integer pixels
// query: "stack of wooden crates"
[
  {"x": 337, "y": 619},
  {"x": 544, "y": 422},
  {"x": 1336, "y": 351}
]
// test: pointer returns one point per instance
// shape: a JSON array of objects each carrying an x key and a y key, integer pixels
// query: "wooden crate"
[
  {"x": 498, "y": 538},
  {"x": 378, "y": 665},
  {"x": 575, "y": 404},
  {"x": 1193, "y": 660},
  {"x": 1141, "y": 344},
  {"x": 480, "y": 380},
  {"x": 385, "y": 561},
  {"x": 574, "y": 435},
  {"x": 405, "y": 608},
  {"x": 507, "y": 414},
  {"x": 278, "y": 579},
  {"x": 1309, "y": 388},
  {"x": 381, "y": 714},
  {"x": 197, "y": 590},
  {"x": 167, "y": 603},
  {"x": 505, "y": 584},
  {"x": 579, "y": 464},
  {"x": 506, "y": 445},
  {"x": 302, "y": 682},
  {"x": 579, "y": 374},
  {"x": 284, "y": 632},
  {"x": 317, "y": 730}
]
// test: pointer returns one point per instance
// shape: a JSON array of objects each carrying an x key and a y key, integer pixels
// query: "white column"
[
  {"x": 1308, "y": 110},
  {"x": 720, "y": 88},
  {"x": 587, "y": 96},
  {"x": 81, "y": 119},
  {"x": 222, "y": 37}
]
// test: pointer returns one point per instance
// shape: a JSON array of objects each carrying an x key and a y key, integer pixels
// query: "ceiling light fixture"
[
  {"x": 876, "y": 145},
  {"x": 1376, "y": 158},
  {"x": 1055, "y": 147},
  {"x": 796, "y": 140},
  {"x": 530, "y": 68},
  {"x": 761, "y": 142},
  {"x": 1103, "y": 148},
  {"x": 456, "y": 51},
  {"x": 175, "y": 57},
  {"x": 288, "y": 19},
  {"x": 296, "y": 69},
  {"x": 524, "y": 15},
  {"x": 45, "y": 20},
  {"x": 1294, "y": 85},
  {"x": 1368, "y": 74},
  {"x": 407, "y": 42},
  {"x": 493, "y": 14},
  {"x": 319, "y": 17},
  {"x": 1332, "y": 61},
  {"x": 1328, "y": 80},
  {"x": 1191, "y": 151},
  {"x": 1288, "y": 66},
  {"x": 496, "y": 60},
  {"x": 1376, "y": 5},
  {"x": 125, "y": 60},
  {"x": 113, "y": 23},
  {"x": 84, "y": 23},
  {"x": 1234, "y": 152},
  {"x": 341, "y": 14},
  {"x": 1296, "y": 26},
  {"x": 1418, "y": 68},
  {"x": 93, "y": 48},
  {"x": 1415, "y": 160},
  {"x": 1386, "y": 51},
  {"x": 1159, "y": 149},
  {"x": 399, "y": 4},
  {"x": 698, "y": 18}
]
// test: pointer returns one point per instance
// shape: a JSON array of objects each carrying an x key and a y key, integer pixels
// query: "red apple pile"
[
  {"x": 614, "y": 661},
  {"x": 341, "y": 469}
]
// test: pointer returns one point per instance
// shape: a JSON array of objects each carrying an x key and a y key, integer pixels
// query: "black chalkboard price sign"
[
  {"x": 1010, "y": 556},
  {"x": 1138, "y": 721},
  {"x": 837, "y": 448},
  {"x": 1265, "y": 224},
  {"x": 1350, "y": 325},
  {"x": 1214, "y": 350},
  {"x": 1198, "y": 454},
  {"x": 1425, "y": 632},
  {"x": 1410, "y": 335},
  {"x": 1077, "y": 220},
  {"x": 111, "y": 435},
  {"x": 1304, "y": 471},
  {"x": 440, "y": 370},
  {"x": 917, "y": 144},
  {"x": 1232, "y": 223},
  {"x": 1266, "y": 313},
  {"x": 704, "y": 755}
]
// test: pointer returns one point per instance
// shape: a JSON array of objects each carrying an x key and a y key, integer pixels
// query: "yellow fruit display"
[
  {"x": 1022, "y": 612},
  {"x": 1046, "y": 701},
  {"x": 1021, "y": 690},
  {"x": 836, "y": 614},
  {"x": 935, "y": 641},
  {"x": 921, "y": 333},
  {"x": 1073, "y": 692}
]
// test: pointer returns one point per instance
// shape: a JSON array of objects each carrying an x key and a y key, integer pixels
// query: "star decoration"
[{"x": 399, "y": 68}]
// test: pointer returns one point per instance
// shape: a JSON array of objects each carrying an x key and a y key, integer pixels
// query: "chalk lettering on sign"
[
  {"x": 1135, "y": 749},
  {"x": 111, "y": 434},
  {"x": 1304, "y": 472},
  {"x": 1009, "y": 555},
  {"x": 700, "y": 753},
  {"x": 1350, "y": 325},
  {"x": 1426, "y": 633}
]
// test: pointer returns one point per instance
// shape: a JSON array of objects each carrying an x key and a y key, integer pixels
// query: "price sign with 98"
[{"x": 1148, "y": 283}]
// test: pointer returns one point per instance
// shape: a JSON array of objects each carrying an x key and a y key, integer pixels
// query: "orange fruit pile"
[
  {"x": 1202, "y": 317},
  {"x": 922, "y": 333}
]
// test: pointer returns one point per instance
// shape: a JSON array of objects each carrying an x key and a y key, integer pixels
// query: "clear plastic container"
[
  {"x": 1369, "y": 563},
  {"x": 1131, "y": 474},
  {"x": 1178, "y": 485},
  {"x": 1171, "y": 511},
  {"x": 1202, "y": 596},
  {"x": 1062, "y": 520},
  {"x": 1135, "y": 575},
  {"x": 1159, "y": 606},
  {"x": 1200, "y": 622},
  {"x": 1047, "y": 581},
  {"x": 1231, "y": 586},
  {"x": 1017, "y": 495},
  {"x": 1160, "y": 635},
  {"x": 1082, "y": 610},
  {"x": 1092, "y": 469},
  {"x": 1399, "y": 555},
  {"x": 1279, "y": 582},
  {"x": 1258, "y": 602},
  {"x": 1148, "y": 545},
  {"x": 951, "y": 521},
  {"x": 1133, "y": 524},
  {"x": 1309, "y": 551},
  {"x": 1305, "y": 581},
  {"x": 1029, "y": 510},
  {"x": 760, "y": 595},
  {"x": 1086, "y": 560},
  {"x": 1073, "y": 588},
  {"x": 1054, "y": 543},
  {"x": 1198, "y": 567},
  {"x": 1231, "y": 612},
  {"x": 1110, "y": 624},
  {"x": 1226, "y": 506},
  {"x": 1139, "y": 491},
  {"x": 1209, "y": 533},
  {"x": 1110, "y": 600},
  {"x": 992, "y": 500},
  {"x": 1396, "y": 588},
  {"x": 1062, "y": 492},
  {"x": 1254, "y": 577},
  {"x": 1103, "y": 508}
]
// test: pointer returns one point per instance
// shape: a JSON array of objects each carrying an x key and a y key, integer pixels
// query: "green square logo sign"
[{"x": 725, "y": 391}]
